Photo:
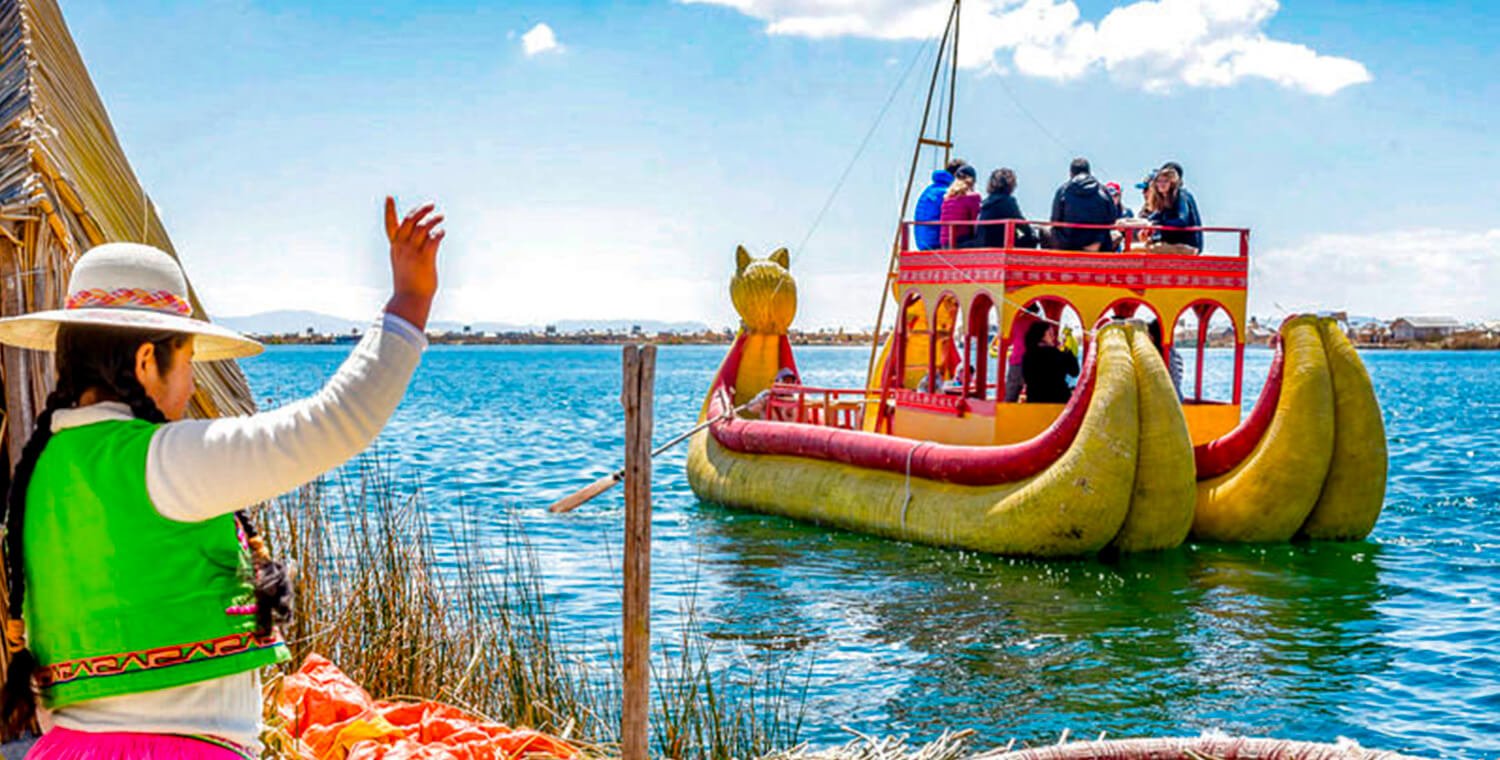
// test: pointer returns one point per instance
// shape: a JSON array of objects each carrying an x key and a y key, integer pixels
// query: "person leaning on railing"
[
  {"x": 999, "y": 205},
  {"x": 1173, "y": 206}
]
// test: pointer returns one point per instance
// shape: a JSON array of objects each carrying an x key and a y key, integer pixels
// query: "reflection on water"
[
  {"x": 1207, "y": 636},
  {"x": 1392, "y": 642}
]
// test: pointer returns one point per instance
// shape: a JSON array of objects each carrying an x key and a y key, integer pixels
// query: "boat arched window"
[{"x": 1205, "y": 336}]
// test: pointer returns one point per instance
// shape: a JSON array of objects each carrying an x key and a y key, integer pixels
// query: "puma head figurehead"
[{"x": 764, "y": 292}]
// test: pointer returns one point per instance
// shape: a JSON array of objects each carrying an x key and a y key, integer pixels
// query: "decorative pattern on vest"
[{"x": 150, "y": 659}]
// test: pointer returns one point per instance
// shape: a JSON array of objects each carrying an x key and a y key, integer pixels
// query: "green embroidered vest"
[{"x": 120, "y": 600}]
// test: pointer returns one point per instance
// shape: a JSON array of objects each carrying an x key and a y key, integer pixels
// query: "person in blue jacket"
[
  {"x": 930, "y": 207},
  {"x": 1173, "y": 206}
]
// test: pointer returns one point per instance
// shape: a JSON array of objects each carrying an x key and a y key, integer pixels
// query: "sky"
[{"x": 603, "y": 160}]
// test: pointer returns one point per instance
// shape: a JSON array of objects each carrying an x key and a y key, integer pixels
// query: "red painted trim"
[
  {"x": 966, "y": 465},
  {"x": 1223, "y": 454}
]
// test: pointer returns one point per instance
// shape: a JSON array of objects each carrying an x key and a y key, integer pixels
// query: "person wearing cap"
[
  {"x": 930, "y": 206},
  {"x": 142, "y": 603},
  {"x": 1115, "y": 194},
  {"x": 960, "y": 204},
  {"x": 1082, "y": 200},
  {"x": 1173, "y": 206},
  {"x": 1145, "y": 187}
]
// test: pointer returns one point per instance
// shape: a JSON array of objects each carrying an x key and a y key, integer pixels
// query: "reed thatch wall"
[{"x": 65, "y": 186}]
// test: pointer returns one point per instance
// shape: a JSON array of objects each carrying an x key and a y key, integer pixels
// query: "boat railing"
[
  {"x": 1135, "y": 236},
  {"x": 829, "y": 407}
]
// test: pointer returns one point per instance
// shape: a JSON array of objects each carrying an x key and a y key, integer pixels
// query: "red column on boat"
[
  {"x": 1203, "y": 311},
  {"x": 1239, "y": 369},
  {"x": 932, "y": 341}
]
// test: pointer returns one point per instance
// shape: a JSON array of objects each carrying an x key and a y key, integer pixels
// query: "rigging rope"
[{"x": 879, "y": 117}]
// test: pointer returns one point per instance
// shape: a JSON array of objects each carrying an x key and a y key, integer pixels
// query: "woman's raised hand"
[{"x": 414, "y": 246}]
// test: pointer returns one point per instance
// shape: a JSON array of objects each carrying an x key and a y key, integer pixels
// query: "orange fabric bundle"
[{"x": 337, "y": 720}]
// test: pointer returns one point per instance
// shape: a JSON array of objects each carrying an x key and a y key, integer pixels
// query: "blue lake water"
[{"x": 1393, "y": 642}]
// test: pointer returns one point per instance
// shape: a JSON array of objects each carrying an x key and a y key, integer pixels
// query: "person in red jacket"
[{"x": 960, "y": 204}]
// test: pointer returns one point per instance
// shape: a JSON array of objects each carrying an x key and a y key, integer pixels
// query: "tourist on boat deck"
[
  {"x": 1014, "y": 382},
  {"x": 127, "y": 538},
  {"x": 960, "y": 204},
  {"x": 1173, "y": 359},
  {"x": 1173, "y": 206},
  {"x": 1001, "y": 204},
  {"x": 1047, "y": 366},
  {"x": 1115, "y": 194},
  {"x": 1145, "y": 187},
  {"x": 1082, "y": 200},
  {"x": 930, "y": 207}
]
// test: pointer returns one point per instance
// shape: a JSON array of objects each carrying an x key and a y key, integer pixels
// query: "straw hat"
[{"x": 127, "y": 285}]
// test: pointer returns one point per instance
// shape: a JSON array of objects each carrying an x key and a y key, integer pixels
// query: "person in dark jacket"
[
  {"x": 930, "y": 207},
  {"x": 1082, "y": 200},
  {"x": 1047, "y": 366},
  {"x": 1173, "y": 206},
  {"x": 1001, "y": 203}
]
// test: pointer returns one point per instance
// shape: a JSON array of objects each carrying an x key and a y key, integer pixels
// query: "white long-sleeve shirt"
[{"x": 200, "y": 469}]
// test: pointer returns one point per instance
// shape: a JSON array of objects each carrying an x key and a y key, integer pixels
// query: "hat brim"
[{"x": 211, "y": 342}]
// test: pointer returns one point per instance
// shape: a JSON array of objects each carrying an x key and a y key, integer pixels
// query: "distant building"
[{"x": 1424, "y": 328}]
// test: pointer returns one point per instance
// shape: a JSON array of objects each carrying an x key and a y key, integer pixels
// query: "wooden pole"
[
  {"x": 911, "y": 176},
  {"x": 636, "y": 395}
]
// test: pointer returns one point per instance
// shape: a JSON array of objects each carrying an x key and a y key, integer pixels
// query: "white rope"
[
  {"x": 879, "y": 117},
  {"x": 907, "y": 504}
]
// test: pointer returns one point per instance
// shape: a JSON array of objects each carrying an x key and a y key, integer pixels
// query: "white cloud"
[
  {"x": 1388, "y": 274},
  {"x": 539, "y": 40},
  {"x": 1152, "y": 44}
]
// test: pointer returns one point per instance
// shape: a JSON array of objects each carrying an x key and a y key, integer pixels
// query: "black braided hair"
[
  {"x": 102, "y": 359},
  {"x": 19, "y": 700}
]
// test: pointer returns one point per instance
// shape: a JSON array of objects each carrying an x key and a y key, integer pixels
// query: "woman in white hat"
[{"x": 149, "y": 604}]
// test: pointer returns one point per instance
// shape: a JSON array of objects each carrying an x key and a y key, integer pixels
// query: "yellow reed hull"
[{"x": 1076, "y": 506}]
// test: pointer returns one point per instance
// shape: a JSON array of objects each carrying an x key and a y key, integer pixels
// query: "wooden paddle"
[{"x": 591, "y": 491}]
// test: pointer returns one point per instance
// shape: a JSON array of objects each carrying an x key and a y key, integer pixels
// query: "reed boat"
[{"x": 929, "y": 451}]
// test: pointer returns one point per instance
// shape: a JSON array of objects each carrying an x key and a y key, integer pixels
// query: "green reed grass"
[{"x": 452, "y": 611}]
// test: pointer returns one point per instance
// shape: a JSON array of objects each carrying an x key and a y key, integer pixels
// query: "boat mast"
[{"x": 947, "y": 54}]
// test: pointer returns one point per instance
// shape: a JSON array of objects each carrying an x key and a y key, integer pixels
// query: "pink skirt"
[{"x": 66, "y": 744}]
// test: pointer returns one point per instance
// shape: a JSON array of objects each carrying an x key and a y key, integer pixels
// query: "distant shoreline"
[
  {"x": 797, "y": 339},
  {"x": 576, "y": 339}
]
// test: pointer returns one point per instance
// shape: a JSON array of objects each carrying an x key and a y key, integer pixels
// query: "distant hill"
[
  {"x": 290, "y": 321},
  {"x": 286, "y": 321}
]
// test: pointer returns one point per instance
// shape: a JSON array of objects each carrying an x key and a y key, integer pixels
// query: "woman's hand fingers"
[
  {"x": 404, "y": 233},
  {"x": 419, "y": 235},
  {"x": 390, "y": 218},
  {"x": 430, "y": 248}
]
